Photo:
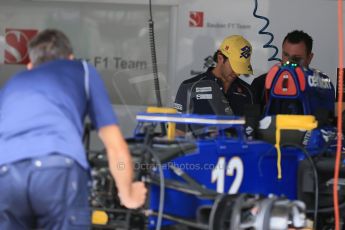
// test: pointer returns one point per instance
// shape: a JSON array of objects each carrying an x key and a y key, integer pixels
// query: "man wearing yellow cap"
[{"x": 219, "y": 90}]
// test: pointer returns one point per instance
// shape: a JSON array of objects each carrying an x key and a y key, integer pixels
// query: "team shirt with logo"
[
  {"x": 204, "y": 94},
  {"x": 42, "y": 111}
]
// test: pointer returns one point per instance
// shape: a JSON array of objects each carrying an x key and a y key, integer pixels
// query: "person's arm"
[{"x": 132, "y": 194}]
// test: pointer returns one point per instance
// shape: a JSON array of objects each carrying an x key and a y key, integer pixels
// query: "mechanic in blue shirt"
[
  {"x": 44, "y": 173},
  {"x": 297, "y": 47},
  {"x": 219, "y": 90}
]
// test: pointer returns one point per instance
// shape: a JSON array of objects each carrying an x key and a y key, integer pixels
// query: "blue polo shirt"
[{"x": 42, "y": 111}]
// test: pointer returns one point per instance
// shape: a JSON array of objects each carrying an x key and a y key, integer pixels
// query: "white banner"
[{"x": 113, "y": 37}]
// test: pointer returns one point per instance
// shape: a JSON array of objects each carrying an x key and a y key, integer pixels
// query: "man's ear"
[
  {"x": 220, "y": 58},
  {"x": 71, "y": 57},
  {"x": 311, "y": 55},
  {"x": 29, "y": 66}
]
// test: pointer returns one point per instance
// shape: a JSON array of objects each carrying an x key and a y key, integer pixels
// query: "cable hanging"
[
  {"x": 154, "y": 58},
  {"x": 262, "y": 31}
]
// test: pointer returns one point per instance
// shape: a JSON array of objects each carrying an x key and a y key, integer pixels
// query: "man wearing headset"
[{"x": 297, "y": 47}]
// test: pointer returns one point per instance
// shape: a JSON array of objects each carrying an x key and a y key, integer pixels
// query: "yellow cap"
[{"x": 238, "y": 50}]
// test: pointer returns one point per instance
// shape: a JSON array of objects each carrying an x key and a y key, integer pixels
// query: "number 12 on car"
[{"x": 225, "y": 169}]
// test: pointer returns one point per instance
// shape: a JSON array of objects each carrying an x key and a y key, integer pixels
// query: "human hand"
[{"x": 136, "y": 196}]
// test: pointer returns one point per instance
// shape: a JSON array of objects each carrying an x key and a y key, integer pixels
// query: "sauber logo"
[
  {"x": 16, "y": 51},
  {"x": 196, "y": 19}
]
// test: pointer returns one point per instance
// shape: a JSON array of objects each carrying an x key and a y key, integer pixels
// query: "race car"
[{"x": 216, "y": 177}]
